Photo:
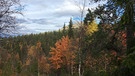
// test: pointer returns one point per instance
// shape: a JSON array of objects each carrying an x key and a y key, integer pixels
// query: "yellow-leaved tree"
[{"x": 91, "y": 28}]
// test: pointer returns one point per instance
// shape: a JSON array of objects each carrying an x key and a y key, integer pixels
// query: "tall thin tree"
[
  {"x": 70, "y": 29},
  {"x": 81, "y": 4}
]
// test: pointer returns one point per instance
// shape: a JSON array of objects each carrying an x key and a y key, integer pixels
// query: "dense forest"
[{"x": 106, "y": 48}]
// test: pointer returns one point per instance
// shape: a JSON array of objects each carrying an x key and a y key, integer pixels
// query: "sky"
[{"x": 48, "y": 15}]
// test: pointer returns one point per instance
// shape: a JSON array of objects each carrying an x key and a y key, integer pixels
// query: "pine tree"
[
  {"x": 70, "y": 29},
  {"x": 89, "y": 17},
  {"x": 64, "y": 29}
]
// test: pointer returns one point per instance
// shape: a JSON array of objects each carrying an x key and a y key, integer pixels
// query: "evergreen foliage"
[{"x": 70, "y": 29}]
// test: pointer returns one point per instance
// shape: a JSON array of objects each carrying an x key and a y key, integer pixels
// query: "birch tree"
[{"x": 81, "y": 4}]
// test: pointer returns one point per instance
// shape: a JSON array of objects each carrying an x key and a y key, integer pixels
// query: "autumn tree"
[
  {"x": 33, "y": 57},
  {"x": 44, "y": 66},
  {"x": 61, "y": 54},
  {"x": 8, "y": 8},
  {"x": 9, "y": 63},
  {"x": 92, "y": 28},
  {"x": 5, "y": 63}
]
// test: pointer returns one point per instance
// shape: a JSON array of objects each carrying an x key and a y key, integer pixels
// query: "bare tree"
[
  {"x": 81, "y": 4},
  {"x": 8, "y": 10}
]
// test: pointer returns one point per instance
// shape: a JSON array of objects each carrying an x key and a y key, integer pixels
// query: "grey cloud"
[
  {"x": 30, "y": 21},
  {"x": 46, "y": 15},
  {"x": 66, "y": 13}
]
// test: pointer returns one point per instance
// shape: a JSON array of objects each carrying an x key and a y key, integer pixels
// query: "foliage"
[
  {"x": 44, "y": 66},
  {"x": 61, "y": 55},
  {"x": 93, "y": 27},
  {"x": 70, "y": 29},
  {"x": 93, "y": 49},
  {"x": 89, "y": 17},
  {"x": 127, "y": 66}
]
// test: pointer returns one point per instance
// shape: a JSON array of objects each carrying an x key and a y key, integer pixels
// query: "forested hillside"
[
  {"x": 106, "y": 48},
  {"x": 47, "y": 39}
]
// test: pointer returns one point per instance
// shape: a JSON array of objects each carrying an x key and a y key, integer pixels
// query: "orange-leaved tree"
[{"x": 63, "y": 54}]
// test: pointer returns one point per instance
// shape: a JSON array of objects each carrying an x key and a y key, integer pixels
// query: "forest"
[{"x": 106, "y": 48}]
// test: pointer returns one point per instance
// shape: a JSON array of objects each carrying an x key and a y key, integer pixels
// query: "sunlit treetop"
[{"x": 92, "y": 27}]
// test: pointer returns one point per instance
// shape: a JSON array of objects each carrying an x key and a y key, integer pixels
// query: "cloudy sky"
[{"x": 48, "y": 15}]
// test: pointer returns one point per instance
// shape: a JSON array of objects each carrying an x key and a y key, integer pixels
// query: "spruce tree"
[
  {"x": 64, "y": 29},
  {"x": 70, "y": 29},
  {"x": 89, "y": 17}
]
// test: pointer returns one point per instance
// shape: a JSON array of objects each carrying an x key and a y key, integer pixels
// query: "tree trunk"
[
  {"x": 129, "y": 26},
  {"x": 72, "y": 69},
  {"x": 79, "y": 68}
]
